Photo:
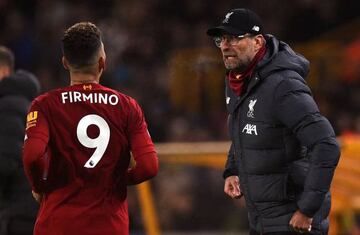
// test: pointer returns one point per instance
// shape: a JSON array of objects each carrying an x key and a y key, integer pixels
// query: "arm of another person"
[
  {"x": 142, "y": 148},
  {"x": 34, "y": 151},
  {"x": 296, "y": 109}
]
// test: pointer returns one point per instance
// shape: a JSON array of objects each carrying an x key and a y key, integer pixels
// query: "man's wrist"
[{"x": 229, "y": 172}]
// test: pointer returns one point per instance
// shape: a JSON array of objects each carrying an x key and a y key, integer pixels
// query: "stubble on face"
[{"x": 237, "y": 58}]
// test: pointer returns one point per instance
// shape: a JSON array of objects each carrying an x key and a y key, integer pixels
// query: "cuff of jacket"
[
  {"x": 310, "y": 202},
  {"x": 229, "y": 172}
]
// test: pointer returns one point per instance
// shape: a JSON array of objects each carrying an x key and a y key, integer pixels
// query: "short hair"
[
  {"x": 7, "y": 58},
  {"x": 81, "y": 44}
]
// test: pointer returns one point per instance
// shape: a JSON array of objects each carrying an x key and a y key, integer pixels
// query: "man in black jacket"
[
  {"x": 284, "y": 152},
  {"x": 17, "y": 207}
]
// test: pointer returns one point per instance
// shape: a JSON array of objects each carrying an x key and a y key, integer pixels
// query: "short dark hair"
[
  {"x": 7, "y": 58},
  {"x": 81, "y": 43}
]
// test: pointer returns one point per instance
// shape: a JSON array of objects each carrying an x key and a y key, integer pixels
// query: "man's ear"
[
  {"x": 259, "y": 42},
  {"x": 102, "y": 64},
  {"x": 4, "y": 72},
  {"x": 65, "y": 63}
]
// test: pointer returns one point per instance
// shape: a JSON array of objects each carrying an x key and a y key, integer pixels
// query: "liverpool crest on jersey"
[{"x": 250, "y": 113}]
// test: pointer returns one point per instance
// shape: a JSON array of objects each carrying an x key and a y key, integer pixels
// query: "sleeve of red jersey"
[
  {"x": 34, "y": 151},
  {"x": 142, "y": 147}
]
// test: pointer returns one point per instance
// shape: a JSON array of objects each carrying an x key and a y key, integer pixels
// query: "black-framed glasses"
[{"x": 231, "y": 39}]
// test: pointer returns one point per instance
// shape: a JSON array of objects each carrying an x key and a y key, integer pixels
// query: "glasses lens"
[
  {"x": 232, "y": 40},
  {"x": 217, "y": 41}
]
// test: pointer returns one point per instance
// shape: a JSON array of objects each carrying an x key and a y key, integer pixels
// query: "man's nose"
[
  {"x": 225, "y": 46},
  {"x": 225, "y": 43}
]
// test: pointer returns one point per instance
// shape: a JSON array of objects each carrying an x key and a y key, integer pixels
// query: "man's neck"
[{"x": 81, "y": 78}]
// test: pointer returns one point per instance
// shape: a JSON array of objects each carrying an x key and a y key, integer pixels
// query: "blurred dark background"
[
  {"x": 153, "y": 44},
  {"x": 158, "y": 53}
]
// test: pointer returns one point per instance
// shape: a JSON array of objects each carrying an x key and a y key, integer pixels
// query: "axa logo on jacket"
[{"x": 249, "y": 129}]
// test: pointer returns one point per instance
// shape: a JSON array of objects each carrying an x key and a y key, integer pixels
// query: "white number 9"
[{"x": 100, "y": 143}]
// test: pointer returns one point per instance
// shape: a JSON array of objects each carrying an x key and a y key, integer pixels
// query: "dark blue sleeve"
[
  {"x": 297, "y": 110},
  {"x": 231, "y": 163}
]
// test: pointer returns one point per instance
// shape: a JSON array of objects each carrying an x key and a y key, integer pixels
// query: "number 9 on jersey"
[{"x": 100, "y": 143}]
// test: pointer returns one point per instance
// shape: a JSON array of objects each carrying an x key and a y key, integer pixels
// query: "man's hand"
[
  {"x": 232, "y": 187},
  {"x": 38, "y": 197},
  {"x": 300, "y": 223}
]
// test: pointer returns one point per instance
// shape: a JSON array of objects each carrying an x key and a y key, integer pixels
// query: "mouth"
[{"x": 229, "y": 56}]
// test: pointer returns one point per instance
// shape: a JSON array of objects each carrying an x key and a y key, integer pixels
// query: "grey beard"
[{"x": 238, "y": 69}]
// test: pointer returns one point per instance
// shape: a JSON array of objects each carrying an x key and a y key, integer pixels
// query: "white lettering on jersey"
[
  {"x": 103, "y": 98},
  {"x": 89, "y": 97},
  {"x": 77, "y": 96},
  {"x": 113, "y": 99},
  {"x": 64, "y": 97},
  {"x": 249, "y": 129},
  {"x": 97, "y": 98}
]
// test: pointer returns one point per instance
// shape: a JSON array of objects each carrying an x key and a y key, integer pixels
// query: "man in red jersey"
[{"x": 78, "y": 143}]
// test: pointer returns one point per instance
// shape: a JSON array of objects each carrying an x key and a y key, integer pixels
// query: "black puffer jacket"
[
  {"x": 284, "y": 151},
  {"x": 17, "y": 207}
]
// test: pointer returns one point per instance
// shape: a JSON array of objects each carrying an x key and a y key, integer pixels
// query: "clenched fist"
[{"x": 232, "y": 187}]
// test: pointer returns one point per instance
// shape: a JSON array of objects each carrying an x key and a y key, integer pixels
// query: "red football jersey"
[{"x": 84, "y": 135}]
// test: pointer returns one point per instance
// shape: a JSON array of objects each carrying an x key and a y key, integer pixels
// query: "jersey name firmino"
[{"x": 93, "y": 98}]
